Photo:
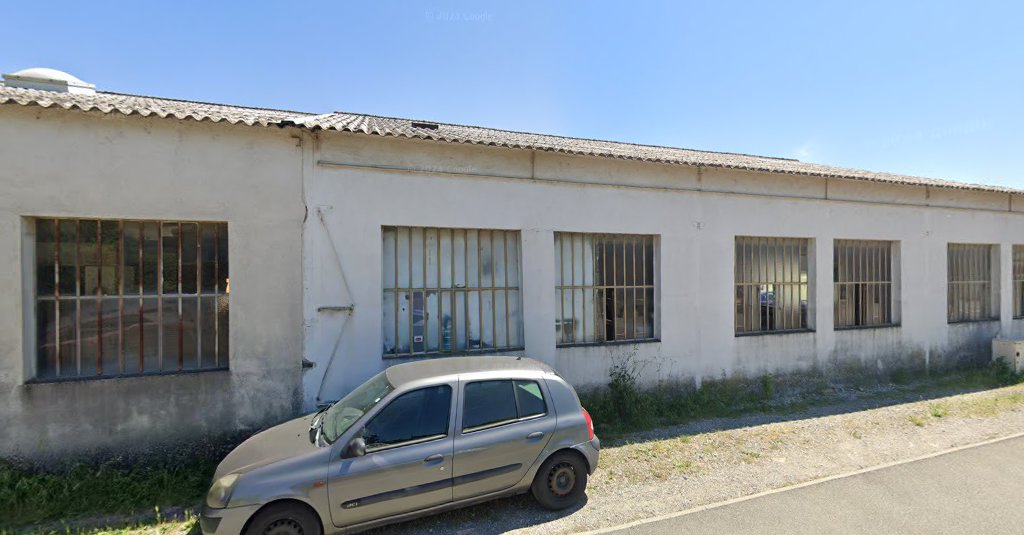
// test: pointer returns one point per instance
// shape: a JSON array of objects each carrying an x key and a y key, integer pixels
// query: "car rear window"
[
  {"x": 530, "y": 399},
  {"x": 490, "y": 403}
]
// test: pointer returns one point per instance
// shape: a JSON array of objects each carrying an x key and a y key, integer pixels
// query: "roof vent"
[
  {"x": 45, "y": 79},
  {"x": 427, "y": 126}
]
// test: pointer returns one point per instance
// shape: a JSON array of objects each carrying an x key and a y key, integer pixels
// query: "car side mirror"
[{"x": 356, "y": 448}]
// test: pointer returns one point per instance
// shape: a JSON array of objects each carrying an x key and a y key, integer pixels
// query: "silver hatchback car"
[{"x": 416, "y": 439}]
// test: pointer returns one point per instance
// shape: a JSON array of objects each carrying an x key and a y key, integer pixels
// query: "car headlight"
[{"x": 220, "y": 492}]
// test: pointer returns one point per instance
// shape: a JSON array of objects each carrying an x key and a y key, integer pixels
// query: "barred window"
[
  {"x": 972, "y": 295},
  {"x": 1018, "y": 281},
  {"x": 117, "y": 297},
  {"x": 450, "y": 290},
  {"x": 862, "y": 273},
  {"x": 771, "y": 284},
  {"x": 604, "y": 287}
]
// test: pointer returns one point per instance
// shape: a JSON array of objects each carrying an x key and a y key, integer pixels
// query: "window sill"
[
  {"x": 961, "y": 322},
  {"x": 611, "y": 343},
  {"x": 774, "y": 333},
  {"x": 93, "y": 379},
  {"x": 476, "y": 353},
  {"x": 868, "y": 327}
]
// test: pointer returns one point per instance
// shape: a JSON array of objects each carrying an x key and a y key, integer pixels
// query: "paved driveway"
[{"x": 976, "y": 490}]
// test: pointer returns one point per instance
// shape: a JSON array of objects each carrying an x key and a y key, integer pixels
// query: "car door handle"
[
  {"x": 535, "y": 435},
  {"x": 434, "y": 458}
]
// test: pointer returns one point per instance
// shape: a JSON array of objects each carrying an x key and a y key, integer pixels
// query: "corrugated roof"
[
  {"x": 107, "y": 102},
  {"x": 453, "y": 133}
]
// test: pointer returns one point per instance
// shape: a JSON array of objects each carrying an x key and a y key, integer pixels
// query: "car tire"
[
  {"x": 285, "y": 519},
  {"x": 561, "y": 481}
]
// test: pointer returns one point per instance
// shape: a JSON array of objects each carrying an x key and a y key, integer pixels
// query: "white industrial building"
[{"x": 175, "y": 269}]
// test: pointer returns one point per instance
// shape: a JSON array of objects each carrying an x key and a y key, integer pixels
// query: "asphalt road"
[{"x": 976, "y": 490}]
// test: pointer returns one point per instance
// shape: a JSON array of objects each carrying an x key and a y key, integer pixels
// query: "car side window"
[
  {"x": 416, "y": 415},
  {"x": 488, "y": 403},
  {"x": 529, "y": 399}
]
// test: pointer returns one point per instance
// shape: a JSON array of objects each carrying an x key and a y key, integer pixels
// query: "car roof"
[{"x": 400, "y": 374}]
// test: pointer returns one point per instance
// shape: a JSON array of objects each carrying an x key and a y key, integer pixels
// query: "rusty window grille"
[
  {"x": 771, "y": 285},
  {"x": 449, "y": 290},
  {"x": 862, "y": 273},
  {"x": 1018, "y": 281},
  {"x": 970, "y": 295},
  {"x": 122, "y": 298},
  {"x": 604, "y": 287}
]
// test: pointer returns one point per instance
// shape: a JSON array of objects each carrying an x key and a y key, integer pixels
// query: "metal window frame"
[
  {"x": 460, "y": 318},
  {"x": 757, "y": 265},
  {"x": 970, "y": 282},
  {"x": 853, "y": 263},
  {"x": 1018, "y": 281},
  {"x": 100, "y": 297},
  {"x": 602, "y": 284}
]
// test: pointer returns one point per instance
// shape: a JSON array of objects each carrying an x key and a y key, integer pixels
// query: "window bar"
[
  {"x": 199, "y": 296},
  {"x": 440, "y": 294},
  {"x": 615, "y": 290},
  {"x": 181, "y": 319},
  {"x": 750, "y": 286},
  {"x": 494, "y": 296},
  {"x": 423, "y": 290},
  {"x": 480, "y": 286},
  {"x": 643, "y": 303},
  {"x": 572, "y": 283},
  {"x": 216, "y": 295},
  {"x": 160, "y": 295},
  {"x": 99, "y": 298},
  {"x": 78, "y": 295},
  {"x": 604, "y": 289},
  {"x": 120, "y": 297},
  {"x": 410, "y": 295},
  {"x": 508, "y": 336},
  {"x": 453, "y": 336},
  {"x": 142, "y": 325},
  {"x": 633, "y": 304},
  {"x": 583, "y": 271},
  {"x": 465, "y": 301},
  {"x": 56, "y": 293}
]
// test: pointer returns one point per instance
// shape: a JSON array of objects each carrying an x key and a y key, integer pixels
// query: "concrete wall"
[
  {"x": 56, "y": 163},
  {"x": 362, "y": 183}
]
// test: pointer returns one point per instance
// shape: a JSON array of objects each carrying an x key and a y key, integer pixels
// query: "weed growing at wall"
[{"x": 623, "y": 406}]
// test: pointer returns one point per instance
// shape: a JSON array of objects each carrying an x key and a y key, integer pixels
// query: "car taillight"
[{"x": 590, "y": 424}]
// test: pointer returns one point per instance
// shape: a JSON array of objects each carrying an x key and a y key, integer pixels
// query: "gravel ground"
[
  {"x": 678, "y": 468},
  {"x": 673, "y": 469}
]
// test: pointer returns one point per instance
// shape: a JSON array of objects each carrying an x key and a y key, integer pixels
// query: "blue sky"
[{"x": 926, "y": 88}]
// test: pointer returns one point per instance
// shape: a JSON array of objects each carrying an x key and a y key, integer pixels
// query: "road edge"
[{"x": 715, "y": 505}]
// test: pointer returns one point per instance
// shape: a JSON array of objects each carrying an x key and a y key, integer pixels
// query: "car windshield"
[{"x": 350, "y": 408}]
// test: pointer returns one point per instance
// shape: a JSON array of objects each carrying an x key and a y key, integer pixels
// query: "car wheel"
[
  {"x": 561, "y": 481},
  {"x": 284, "y": 519}
]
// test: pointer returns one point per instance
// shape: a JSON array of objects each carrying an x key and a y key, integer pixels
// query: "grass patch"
[
  {"x": 938, "y": 410},
  {"x": 28, "y": 497},
  {"x": 917, "y": 420}
]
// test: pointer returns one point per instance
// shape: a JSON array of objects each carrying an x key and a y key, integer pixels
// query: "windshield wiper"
[{"x": 317, "y": 423}]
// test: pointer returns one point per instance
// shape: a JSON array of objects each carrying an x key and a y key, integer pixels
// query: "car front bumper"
[
  {"x": 591, "y": 450},
  {"x": 229, "y": 520}
]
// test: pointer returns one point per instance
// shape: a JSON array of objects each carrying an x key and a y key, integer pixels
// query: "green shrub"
[{"x": 28, "y": 496}]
